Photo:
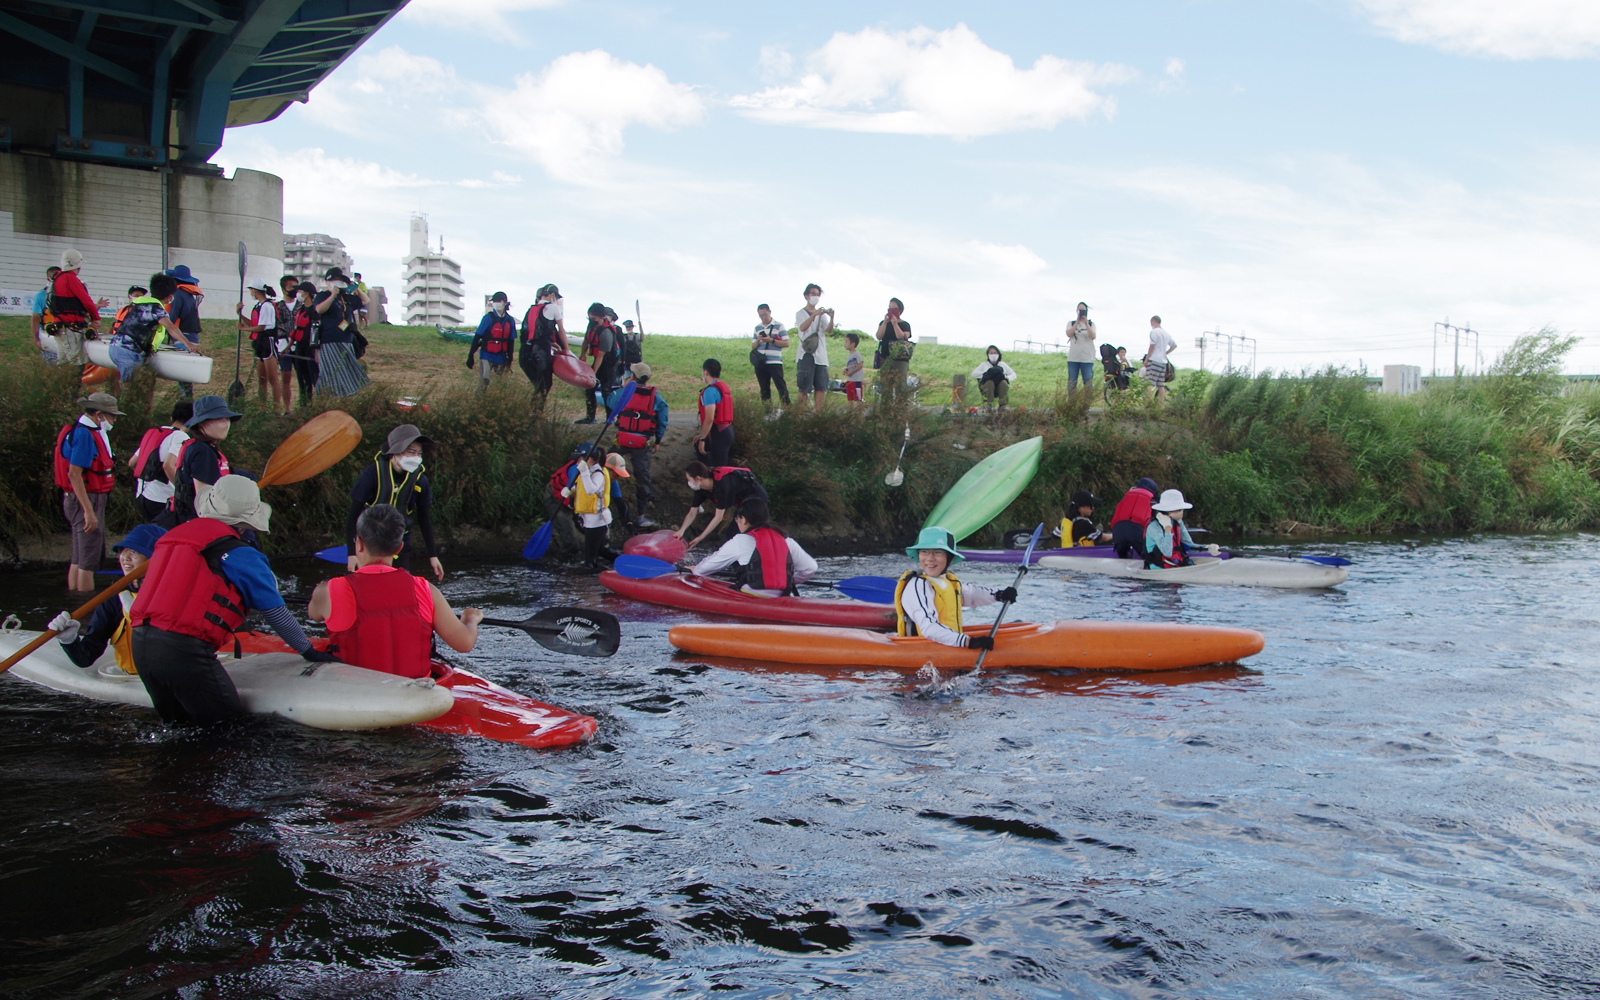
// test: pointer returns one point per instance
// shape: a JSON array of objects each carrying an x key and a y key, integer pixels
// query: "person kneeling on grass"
[
  {"x": 109, "y": 625},
  {"x": 382, "y": 618},
  {"x": 1167, "y": 540},
  {"x": 929, "y": 599},
  {"x": 766, "y": 562}
]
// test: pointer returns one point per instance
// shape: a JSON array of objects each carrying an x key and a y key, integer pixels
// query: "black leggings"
[
  {"x": 306, "y": 372},
  {"x": 184, "y": 678},
  {"x": 594, "y": 543},
  {"x": 537, "y": 364}
]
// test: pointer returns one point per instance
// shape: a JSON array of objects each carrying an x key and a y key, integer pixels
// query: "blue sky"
[{"x": 1329, "y": 177}]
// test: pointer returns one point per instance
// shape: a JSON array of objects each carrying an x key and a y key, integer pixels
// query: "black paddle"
[
  {"x": 237, "y": 388},
  {"x": 1022, "y": 571},
  {"x": 578, "y": 631}
]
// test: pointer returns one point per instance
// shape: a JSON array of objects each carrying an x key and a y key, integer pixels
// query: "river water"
[{"x": 1396, "y": 799}]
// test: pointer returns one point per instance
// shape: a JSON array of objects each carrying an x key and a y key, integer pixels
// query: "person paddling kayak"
[
  {"x": 1128, "y": 521},
  {"x": 928, "y": 600},
  {"x": 381, "y": 617},
  {"x": 203, "y": 579},
  {"x": 397, "y": 477},
  {"x": 766, "y": 562},
  {"x": 725, "y": 486},
  {"x": 1167, "y": 540},
  {"x": 109, "y": 625}
]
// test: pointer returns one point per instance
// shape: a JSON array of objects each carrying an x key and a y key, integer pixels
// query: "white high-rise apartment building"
[
  {"x": 432, "y": 282},
  {"x": 308, "y": 256}
]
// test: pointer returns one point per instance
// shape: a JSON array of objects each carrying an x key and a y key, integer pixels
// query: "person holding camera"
[
  {"x": 894, "y": 344},
  {"x": 766, "y": 356},
  {"x": 340, "y": 373},
  {"x": 1080, "y": 350},
  {"x": 811, "y": 367}
]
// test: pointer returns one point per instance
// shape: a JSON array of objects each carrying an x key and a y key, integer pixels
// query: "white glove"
[
  {"x": 1214, "y": 549},
  {"x": 567, "y": 492},
  {"x": 68, "y": 627}
]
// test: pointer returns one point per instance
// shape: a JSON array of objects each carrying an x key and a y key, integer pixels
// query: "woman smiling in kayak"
[{"x": 929, "y": 599}]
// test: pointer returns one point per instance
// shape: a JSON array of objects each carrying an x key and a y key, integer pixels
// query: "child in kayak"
[
  {"x": 84, "y": 641},
  {"x": 1167, "y": 540},
  {"x": 1079, "y": 527},
  {"x": 929, "y": 599},
  {"x": 766, "y": 562}
]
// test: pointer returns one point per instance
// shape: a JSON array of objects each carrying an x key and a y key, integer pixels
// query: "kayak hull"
[
  {"x": 1014, "y": 556},
  {"x": 333, "y": 696},
  {"x": 663, "y": 545},
  {"x": 703, "y": 594},
  {"x": 176, "y": 366},
  {"x": 569, "y": 369},
  {"x": 987, "y": 489},
  {"x": 1048, "y": 645},
  {"x": 1237, "y": 572}
]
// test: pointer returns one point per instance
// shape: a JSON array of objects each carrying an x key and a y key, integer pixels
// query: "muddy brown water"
[{"x": 1396, "y": 799}]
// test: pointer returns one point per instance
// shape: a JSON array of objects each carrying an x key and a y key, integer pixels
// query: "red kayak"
[
  {"x": 570, "y": 369},
  {"x": 701, "y": 593},
  {"x": 482, "y": 707}
]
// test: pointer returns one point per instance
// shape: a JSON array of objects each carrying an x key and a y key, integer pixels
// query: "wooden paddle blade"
[
  {"x": 539, "y": 543},
  {"x": 578, "y": 631},
  {"x": 872, "y": 589},
  {"x": 642, "y": 567},
  {"x": 317, "y": 446}
]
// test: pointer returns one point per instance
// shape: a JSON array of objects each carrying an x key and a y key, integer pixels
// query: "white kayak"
[
  {"x": 1236, "y": 572},
  {"x": 333, "y": 696},
  {"x": 177, "y": 365}
]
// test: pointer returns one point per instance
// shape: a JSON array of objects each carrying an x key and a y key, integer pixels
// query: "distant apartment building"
[
  {"x": 432, "y": 282},
  {"x": 308, "y": 256}
]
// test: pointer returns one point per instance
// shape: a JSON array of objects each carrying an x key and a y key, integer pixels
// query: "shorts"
[
  {"x": 285, "y": 362},
  {"x": 1155, "y": 374},
  {"x": 852, "y": 391},
  {"x": 261, "y": 347},
  {"x": 88, "y": 547},
  {"x": 810, "y": 376}
]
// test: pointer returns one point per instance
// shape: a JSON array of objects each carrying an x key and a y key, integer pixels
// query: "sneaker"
[{"x": 644, "y": 522}]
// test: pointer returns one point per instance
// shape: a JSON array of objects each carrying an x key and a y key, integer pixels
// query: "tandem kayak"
[
  {"x": 1236, "y": 572},
  {"x": 1063, "y": 644},
  {"x": 702, "y": 593},
  {"x": 333, "y": 696},
  {"x": 1072, "y": 552},
  {"x": 987, "y": 489}
]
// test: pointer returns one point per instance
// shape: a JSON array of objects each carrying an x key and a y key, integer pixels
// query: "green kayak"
[{"x": 987, "y": 489}]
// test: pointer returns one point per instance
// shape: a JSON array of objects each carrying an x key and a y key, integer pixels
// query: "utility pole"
[{"x": 1454, "y": 335}]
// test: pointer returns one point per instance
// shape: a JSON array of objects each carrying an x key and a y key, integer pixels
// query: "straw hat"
[{"x": 235, "y": 500}]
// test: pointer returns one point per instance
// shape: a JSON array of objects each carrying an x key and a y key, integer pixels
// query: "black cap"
[
  {"x": 1083, "y": 498},
  {"x": 499, "y": 297}
]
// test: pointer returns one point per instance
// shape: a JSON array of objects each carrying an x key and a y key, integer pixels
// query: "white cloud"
[
  {"x": 573, "y": 113},
  {"x": 1510, "y": 29},
  {"x": 1013, "y": 259},
  {"x": 477, "y": 16},
  {"x": 926, "y": 82},
  {"x": 775, "y": 64}
]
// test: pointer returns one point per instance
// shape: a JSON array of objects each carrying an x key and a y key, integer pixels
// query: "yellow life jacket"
[
  {"x": 122, "y": 638},
  {"x": 585, "y": 502},
  {"x": 946, "y": 601}
]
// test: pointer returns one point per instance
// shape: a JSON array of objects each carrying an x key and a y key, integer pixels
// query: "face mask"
[
  {"x": 336, "y": 284},
  {"x": 410, "y": 463},
  {"x": 500, "y": 308},
  {"x": 994, "y": 357},
  {"x": 812, "y": 300},
  {"x": 106, "y": 425}
]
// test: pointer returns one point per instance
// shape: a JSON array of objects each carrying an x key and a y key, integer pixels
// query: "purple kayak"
[{"x": 1015, "y": 555}]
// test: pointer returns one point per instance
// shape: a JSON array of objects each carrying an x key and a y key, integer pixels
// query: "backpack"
[{"x": 632, "y": 348}]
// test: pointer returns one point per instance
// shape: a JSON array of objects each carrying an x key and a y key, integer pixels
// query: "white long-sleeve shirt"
[
  {"x": 594, "y": 479},
  {"x": 986, "y": 364},
  {"x": 917, "y": 600},
  {"x": 739, "y": 549}
]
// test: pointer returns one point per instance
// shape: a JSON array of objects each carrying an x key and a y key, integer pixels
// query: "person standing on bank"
[
  {"x": 766, "y": 356},
  {"x": 602, "y": 344},
  {"x": 261, "y": 323},
  {"x": 155, "y": 462},
  {"x": 811, "y": 369},
  {"x": 492, "y": 341},
  {"x": 144, "y": 326},
  {"x": 303, "y": 331},
  {"x": 1156, "y": 365},
  {"x": 339, "y": 371},
  {"x": 202, "y": 581},
  {"x": 1080, "y": 350},
  {"x": 74, "y": 311},
  {"x": 85, "y": 472},
  {"x": 201, "y": 461},
  {"x": 397, "y": 478},
  {"x": 640, "y": 427},
  {"x": 41, "y": 305},
  {"x": 184, "y": 309},
  {"x": 725, "y": 488},
  {"x": 714, "y": 440},
  {"x": 542, "y": 328},
  {"x": 894, "y": 344},
  {"x": 381, "y": 617}
]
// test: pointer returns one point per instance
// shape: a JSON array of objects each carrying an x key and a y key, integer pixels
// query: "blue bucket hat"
[
  {"x": 210, "y": 408},
  {"x": 181, "y": 272},
  {"x": 142, "y": 540},
  {"x": 936, "y": 538}
]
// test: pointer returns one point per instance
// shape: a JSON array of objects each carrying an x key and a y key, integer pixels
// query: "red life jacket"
[
  {"x": 771, "y": 567},
  {"x": 561, "y": 480},
  {"x": 150, "y": 447},
  {"x": 184, "y": 590},
  {"x": 1177, "y": 557},
  {"x": 116, "y": 324},
  {"x": 636, "y": 424},
  {"x": 502, "y": 331},
  {"x": 64, "y": 302},
  {"x": 724, "y": 412},
  {"x": 301, "y": 325},
  {"x": 1134, "y": 506},
  {"x": 591, "y": 338},
  {"x": 388, "y": 634},
  {"x": 99, "y": 477}
]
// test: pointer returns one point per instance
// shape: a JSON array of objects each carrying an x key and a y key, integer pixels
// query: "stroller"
[{"x": 1116, "y": 373}]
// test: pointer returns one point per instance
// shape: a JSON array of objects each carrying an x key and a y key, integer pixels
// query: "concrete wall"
[{"x": 112, "y": 215}]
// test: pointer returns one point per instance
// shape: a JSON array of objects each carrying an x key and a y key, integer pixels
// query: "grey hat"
[
  {"x": 235, "y": 500},
  {"x": 403, "y": 437},
  {"x": 102, "y": 401},
  {"x": 208, "y": 408}
]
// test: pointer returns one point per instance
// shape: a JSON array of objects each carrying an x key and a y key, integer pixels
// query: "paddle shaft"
[
  {"x": 272, "y": 476},
  {"x": 237, "y": 388},
  {"x": 1022, "y": 571}
]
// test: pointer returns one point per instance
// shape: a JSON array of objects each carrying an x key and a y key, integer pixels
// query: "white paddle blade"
[{"x": 894, "y": 478}]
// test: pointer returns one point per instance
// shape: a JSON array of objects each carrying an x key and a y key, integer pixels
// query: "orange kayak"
[{"x": 1063, "y": 644}]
